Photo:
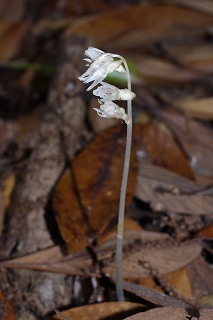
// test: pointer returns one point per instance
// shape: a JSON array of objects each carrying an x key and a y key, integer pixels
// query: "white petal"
[
  {"x": 93, "y": 53},
  {"x": 126, "y": 94}
]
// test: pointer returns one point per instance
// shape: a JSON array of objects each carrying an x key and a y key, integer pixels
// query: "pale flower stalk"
[{"x": 100, "y": 65}]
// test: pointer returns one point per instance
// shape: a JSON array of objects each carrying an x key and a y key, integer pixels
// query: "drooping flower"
[
  {"x": 100, "y": 64},
  {"x": 108, "y": 92},
  {"x": 111, "y": 110},
  {"x": 92, "y": 54}
]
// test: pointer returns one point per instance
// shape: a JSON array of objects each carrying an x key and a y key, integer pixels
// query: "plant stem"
[{"x": 120, "y": 230}]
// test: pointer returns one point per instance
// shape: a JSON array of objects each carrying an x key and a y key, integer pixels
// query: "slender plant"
[{"x": 100, "y": 64}]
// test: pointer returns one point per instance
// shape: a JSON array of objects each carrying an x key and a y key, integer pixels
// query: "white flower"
[
  {"x": 100, "y": 64},
  {"x": 111, "y": 110},
  {"x": 108, "y": 92},
  {"x": 92, "y": 54}
]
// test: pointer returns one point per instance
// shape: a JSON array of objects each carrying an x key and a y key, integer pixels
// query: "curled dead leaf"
[
  {"x": 98, "y": 173},
  {"x": 115, "y": 310},
  {"x": 167, "y": 191}
]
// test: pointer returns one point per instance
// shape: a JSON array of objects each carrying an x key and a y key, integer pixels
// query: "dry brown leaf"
[
  {"x": 7, "y": 189},
  {"x": 6, "y": 307},
  {"x": 204, "y": 5},
  {"x": 181, "y": 282},
  {"x": 161, "y": 148},
  {"x": 195, "y": 138},
  {"x": 129, "y": 226},
  {"x": 70, "y": 218},
  {"x": 205, "y": 314},
  {"x": 101, "y": 311},
  {"x": 12, "y": 11},
  {"x": 2, "y": 212},
  {"x": 168, "y": 313},
  {"x": 167, "y": 191},
  {"x": 51, "y": 260},
  {"x": 200, "y": 273},
  {"x": 157, "y": 71},
  {"x": 162, "y": 259},
  {"x": 11, "y": 41},
  {"x": 198, "y": 108},
  {"x": 153, "y": 296},
  {"x": 137, "y": 25},
  {"x": 206, "y": 233},
  {"x": 178, "y": 281},
  {"x": 4, "y": 27},
  {"x": 98, "y": 173},
  {"x": 197, "y": 57}
]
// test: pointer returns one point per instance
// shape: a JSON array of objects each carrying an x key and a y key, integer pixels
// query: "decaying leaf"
[
  {"x": 159, "y": 256},
  {"x": 6, "y": 306},
  {"x": 167, "y": 191},
  {"x": 180, "y": 280},
  {"x": 12, "y": 40},
  {"x": 195, "y": 138},
  {"x": 198, "y": 108},
  {"x": 117, "y": 310},
  {"x": 139, "y": 259},
  {"x": 176, "y": 284},
  {"x": 70, "y": 217},
  {"x": 157, "y": 71},
  {"x": 98, "y": 173},
  {"x": 8, "y": 186},
  {"x": 161, "y": 148},
  {"x": 204, "y": 6},
  {"x": 170, "y": 313},
  {"x": 153, "y": 296},
  {"x": 200, "y": 273},
  {"x": 139, "y": 25}
]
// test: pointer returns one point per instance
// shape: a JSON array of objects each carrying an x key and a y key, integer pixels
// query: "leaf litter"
[{"x": 170, "y": 187}]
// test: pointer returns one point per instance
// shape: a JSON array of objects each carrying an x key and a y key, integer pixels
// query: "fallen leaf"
[
  {"x": 196, "y": 57},
  {"x": 12, "y": 40},
  {"x": 130, "y": 225},
  {"x": 205, "y": 314},
  {"x": 167, "y": 191},
  {"x": 200, "y": 273},
  {"x": 12, "y": 11},
  {"x": 7, "y": 309},
  {"x": 7, "y": 189},
  {"x": 51, "y": 260},
  {"x": 153, "y": 296},
  {"x": 157, "y": 71},
  {"x": 195, "y": 138},
  {"x": 177, "y": 282},
  {"x": 198, "y": 108},
  {"x": 2, "y": 213},
  {"x": 164, "y": 259},
  {"x": 165, "y": 313},
  {"x": 206, "y": 233},
  {"x": 139, "y": 25},
  {"x": 204, "y": 5},
  {"x": 101, "y": 311},
  {"x": 98, "y": 173},
  {"x": 69, "y": 215},
  {"x": 181, "y": 282},
  {"x": 161, "y": 148}
]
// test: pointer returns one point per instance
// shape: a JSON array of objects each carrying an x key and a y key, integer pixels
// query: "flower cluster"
[{"x": 100, "y": 65}]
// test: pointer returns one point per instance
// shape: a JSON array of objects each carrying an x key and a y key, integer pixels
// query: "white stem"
[{"x": 120, "y": 230}]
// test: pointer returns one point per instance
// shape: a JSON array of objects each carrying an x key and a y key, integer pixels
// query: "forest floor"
[{"x": 61, "y": 164}]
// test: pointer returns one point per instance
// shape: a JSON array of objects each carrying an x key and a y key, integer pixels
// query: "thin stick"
[{"x": 120, "y": 230}]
